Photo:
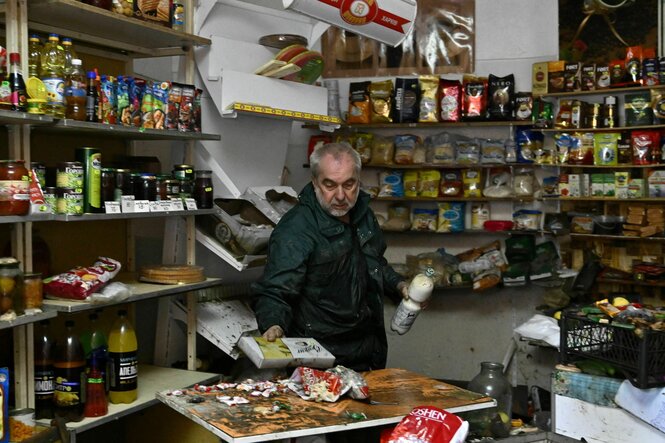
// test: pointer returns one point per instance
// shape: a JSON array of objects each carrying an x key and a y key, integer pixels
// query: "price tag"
[
  {"x": 112, "y": 207},
  {"x": 141, "y": 206},
  {"x": 191, "y": 204},
  {"x": 154, "y": 207},
  {"x": 176, "y": 204},
  {"x": 165, "y": 205},
  {"x": 127, "y": 203}
]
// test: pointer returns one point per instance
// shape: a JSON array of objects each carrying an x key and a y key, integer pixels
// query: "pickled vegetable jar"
[
  {"x": 14, "y": 188},
  {"x": 11, "y": 286}
]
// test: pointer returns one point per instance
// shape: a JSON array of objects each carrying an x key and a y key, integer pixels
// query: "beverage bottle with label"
[
  {"x": 75, "y": 92},
  {"x": 91, "y": 98},
  {"x": 34, "y": 54},
  {"x": 5, "y": 90},
  {"x": 52, "y": 74},
  {"x": 44, "y": 375},
  {"x": 69, "y": 364},
  {"x": 19, "y": 94},
  {"x": 70, "y": 54},
  {"x": 123, "y": 358},
  {"x": 96, "y": 354}
]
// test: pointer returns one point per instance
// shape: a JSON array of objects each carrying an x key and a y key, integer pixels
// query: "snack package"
[
  {"x": 428, "y": 424},
  {"x": 354, "y": 384},
  {"x": 405, "y": 102},
  {"x": 492, "y": 151},
  {"x": 359, "y": 105},
  {"x": 528, "y": 143},
  {"x": 383, "y": 150},
  {"x": 450, "y": 99},
  {"x": 316, "y": 385},
  {"x": 429, "y": 100},
  {"x": 160, "y": 92},
  {"x": 501, "y": 97},
  {"x": 498, "y": 183},
  {"x": 564, "y": 115},
  {"x": 380, "y": 96},
  {"x": 471, "y": 183},
  {"x": 424, "y": 219},
  {"x": 147, "y": 106},
  {"x": 562, "y": 144},
  {"x": 363, "y": 145},
  {"x": 644, "y": 145},
  {"x": 80, "y": 282},
  {"x": 136, "y": 91},
  {"x": 391, "y": 184},
  {"x": 108, "y": 103},
  {"x": 451, "y": 217},
  {"x": 411, "y": 183},
  {"x": 405, "y": 146},
  {"x": 606, "y": 148},
  {"x": 428, "y": 183},
  {"x": 474, "y": 98},
  {"x": 467, "y": 152},
  {"x": 581, "y": 149},
  {"x": 173, "y": 106},
  {"x": 122, "y": 94},
  {"x": 451, "y": 183},
  {"x": 440, "y": 149}
]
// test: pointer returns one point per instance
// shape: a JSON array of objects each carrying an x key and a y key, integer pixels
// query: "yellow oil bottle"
[{"x": 123, "y": 358}]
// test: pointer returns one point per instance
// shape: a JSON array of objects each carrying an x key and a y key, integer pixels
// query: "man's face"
[{"x": 337, "y": 185}]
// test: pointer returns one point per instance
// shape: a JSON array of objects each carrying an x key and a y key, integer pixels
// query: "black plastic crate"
[{"x": 641, "y": 358}]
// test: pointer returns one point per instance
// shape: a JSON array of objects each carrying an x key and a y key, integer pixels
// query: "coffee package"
[
  {"x": 501, "y": 97},
  {"x": 450, "y": 96},
  {"x": 556, "y": 82},
  {"x": 359, "y": 106},
  {"x": 381, "y": 96},
  {"x": 405, "y": 102},
  {"x": 429, "y": 100}
]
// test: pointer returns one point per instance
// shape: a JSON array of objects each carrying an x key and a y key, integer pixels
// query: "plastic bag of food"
[
  {"x": 428, "y": 424},
  {"x": 364, "y": 146},
  {"x": 316, "y": 385},
  {"x": 354, "y": 383},
  {"x": 468, "y": 152},
  {"x": 471, "y": 183},
  {"x": 405, "y": 145},
  {"x": 440, "y": 149},
  {"x": 391, "y": 184},
  {"x": 498, "y": 183},
  {"x": 424, "y": 219},
  {"x": 383, "y": 150},
  {"x": 428, "y": 183},
  {"x": 492, "y": 151},
  {"x": 451, "y": 183},
  {"x": 524, "y": 182},
  {"x": 399, "y": 219},
  {"x": 78, "y": 283}
]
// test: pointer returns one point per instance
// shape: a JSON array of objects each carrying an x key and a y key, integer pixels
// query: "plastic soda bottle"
[
  {"x": 70, "y": 54},
  {"x": 75, "y": 92},
  {"x": 96, "y": 355},
  {"x": 34, "y": 54},
  {"x": 123, "y": 367},
  {"x": 52, "y": 74},
  {"x": 69, "y": 364},
  {"x": 44, "y": 373}
]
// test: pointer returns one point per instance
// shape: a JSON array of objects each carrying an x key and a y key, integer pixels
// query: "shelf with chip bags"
[
  {"x": 607, "y": 199},
  {"x": 468, "y": 232},
  {"x": 608, "y": 91},
  {"x": 448, "y": 166},
  {"x": 454, "y": 199},
  {"x": 612, "y": 167},
  {"x": 99, "y": 27},
  {"x": 616, "y": 129},
  {"x": 430, "y": 125}
]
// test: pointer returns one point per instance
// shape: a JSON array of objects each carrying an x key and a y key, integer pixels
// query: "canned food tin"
[
  {"x": 183, "y": 172},
  {"x": 69, "y": 175},
  {"x": 50, "y": 198},
  {"x": 69, "y": 201}
]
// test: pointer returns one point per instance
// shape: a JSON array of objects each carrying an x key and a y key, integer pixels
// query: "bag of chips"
[{"x": 428, "y": 424}]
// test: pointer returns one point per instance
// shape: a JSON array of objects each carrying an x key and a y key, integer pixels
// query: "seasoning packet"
[
  {"x": 450, "y": 97},
  {"x": 136, "y": 91},
  {"x": 501, "y": 97},
  {"x": 380, "y": 95},
  {"x": 405, "y": 102},
  {"x": 147, "y": 104},
  {"x": 429, "y": 101},
  {"x": 160, "y": 91},
  {"x": 474, "y": 97},
  {"x": 124, "y": 111},
  {"x": 186, "y": 109},
  {"x": 359, "y": 106},
  {"x": 108, "y": 100},
  {"x": 173, "y": 106}
]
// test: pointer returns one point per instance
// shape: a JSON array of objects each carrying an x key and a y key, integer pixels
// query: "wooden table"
[{"x": 250, "y": 423}]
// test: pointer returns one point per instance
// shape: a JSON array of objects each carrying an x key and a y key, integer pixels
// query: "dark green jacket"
[{"x": 325, "y": 279}]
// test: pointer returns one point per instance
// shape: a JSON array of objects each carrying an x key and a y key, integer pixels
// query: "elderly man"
[{"x": 326, "y": 274}]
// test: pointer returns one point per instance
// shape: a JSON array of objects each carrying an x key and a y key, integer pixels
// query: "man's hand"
[
  {"x": 403, "y": 289},
  {"x": 273, "y": 333}
]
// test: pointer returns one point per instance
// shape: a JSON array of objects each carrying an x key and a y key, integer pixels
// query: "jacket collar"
[{"x": 328, "y": 224}]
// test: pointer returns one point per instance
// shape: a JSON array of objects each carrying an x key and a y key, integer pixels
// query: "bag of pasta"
[{"x": 383, "y": 150}]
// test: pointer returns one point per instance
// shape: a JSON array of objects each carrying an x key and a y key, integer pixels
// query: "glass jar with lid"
[
  {"x": 202, "y": 190},
  {"x": 11, "y": 286},
  {"x": 14, "y": 188},
  {"x": 33, "y": 290}
]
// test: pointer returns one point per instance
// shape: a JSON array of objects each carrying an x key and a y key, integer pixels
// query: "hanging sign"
[{"x": 388, "y": 21}]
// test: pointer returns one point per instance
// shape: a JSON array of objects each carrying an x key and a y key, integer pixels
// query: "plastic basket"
[{"x": 641, "y": 358}]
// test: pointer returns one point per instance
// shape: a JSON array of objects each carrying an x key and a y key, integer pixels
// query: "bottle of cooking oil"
[
  {"x": 34, "y": 54},
  {"x": 52, "y": 74},
  {"x": 123, "y": 361},
  {"x": 70, "y": 55}
]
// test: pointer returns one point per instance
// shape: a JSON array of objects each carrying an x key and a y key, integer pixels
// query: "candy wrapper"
[
  {"x": 313, "y": 384},
  {"x": 80, "y": 282},
  {"x": 427, "y": 424},
  {"x": 355, "y": 382}
]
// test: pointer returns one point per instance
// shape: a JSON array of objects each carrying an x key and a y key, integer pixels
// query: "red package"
[
  {"x": 80, "y": 282},
  {"x": 474, "y": 98},
  {"x": 316, "y": 141},
  {"x": 428, "y": 424},
  {"x": 450, "y": 95},
  {"x": 317, "y": 385},
  {"x": 352, "y": 381},
  {"x": 645, "y": 144}
]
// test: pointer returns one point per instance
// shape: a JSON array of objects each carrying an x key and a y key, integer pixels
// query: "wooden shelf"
[
  {"x": 270, "y": 112},
  {"x": 609, "y": 91},
  {"x": 469, "y": 232},
  {"x": 607, "y": 199},
  {"x": 96, "y": 26},
  {"x": 617, "y": 129},
  {"x": 623, "y": 166},
  {"x": 659, "y": 284},
  {"x": 617, "y": 237},
  {"x": 452, "y": 199},
  {"x": 448, "y": 166},
  {"x": 65, "y": 126},
  {"x": 464, "y": 124},
  {"x": 27, "y": 319},
  {"x": 140, "y": 291},
  {"x": 151, "y": 379}
]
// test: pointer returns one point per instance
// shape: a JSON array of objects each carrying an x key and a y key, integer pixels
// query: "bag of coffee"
[
  {"x": 429, "y": 101},
  {"x": 405, "y": 102},
  {"x": 501, "y": 96},
  {"x": 359, "y": 106},
  {"x": 381, "y": 96},
  {"x": 450, "y": 97}
]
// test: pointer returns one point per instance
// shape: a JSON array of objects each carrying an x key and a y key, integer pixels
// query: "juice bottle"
[
  {"x": 69, "y": 396},
  {"x": 123, "y": 367},
  {"x": 19, "y": 93},
  {"x": 91, "y": 97},
  {"x": 75, "y": 92},
  {"x": 52, "y": 74},
  {"x": 44, "y": 375},
  {"x": 96, "y": 355},
  {"x": 69, "y": 53},
  {"x": 34, "y": 54}
]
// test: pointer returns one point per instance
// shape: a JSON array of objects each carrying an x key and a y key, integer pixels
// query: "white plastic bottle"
[{"x": 420, "y": 290}]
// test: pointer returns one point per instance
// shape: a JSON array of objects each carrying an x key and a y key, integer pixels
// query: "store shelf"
[
  {"x": 151, "y": 379},
  {"x": 23, "y": 118},
  {"x": 97, "y": 26},
  {"x": 447, "y": 166},
  {"x": 140, "y": 291},
  {"x": 613, "y": 167},
  {"x": 607, "y": 199},
  {"x": 269, "y": 112},
  {"x": 216, "y": 248},
  {"x": 609, "y": 91},
  {"x": 129, "y": 215},
  {"x": 617, "y": 237},
  {"x": 119, "y": 131},
  {"x": 466, "y": 124},
  {"x": 657, "y": 284},
  {"x": 27, "y": 319},
  {"x": 617, "y": 129},
  {"x": 453, "y": 199},
  {"x": 469, "y": 232}
]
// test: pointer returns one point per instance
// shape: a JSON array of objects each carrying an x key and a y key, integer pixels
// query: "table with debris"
[{"x": 394, "y": 392}]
